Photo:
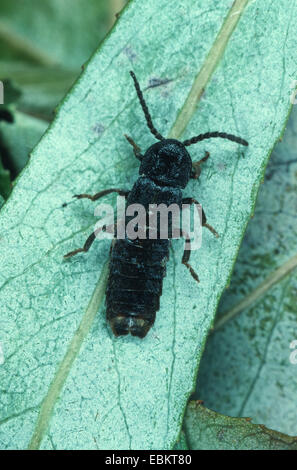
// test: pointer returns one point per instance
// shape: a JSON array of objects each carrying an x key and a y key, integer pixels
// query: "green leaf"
[
  {"x": 19, "y": 138},
  {"x": 5, "y": 182},
  {"x": 43, "y": 52},
  {"x": 208, "y": 430},
  {"x": 11, "y": 93},
  {"x": 58, "y": 33},
  {"x": 42, "y": 87},
  {"x": 248, "y": 367},
  {"x": 67, "y": 382},
  {"x": 19, "y": 133}
]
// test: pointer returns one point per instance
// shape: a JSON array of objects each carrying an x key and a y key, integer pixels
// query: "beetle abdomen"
[{"x": 137, "y": 269}]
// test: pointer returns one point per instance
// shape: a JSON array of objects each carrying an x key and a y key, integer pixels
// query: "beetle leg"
[
  {"x": 190, "y": 200},
  {"x": 196, "y": 170},
  {"x": 97, "y": 196},
  {"x": 136, "y": 149},
  {"x": 85, "y": 248},
  {"x": 186, "y": 257},
  {"x": 89, "y": 241}
]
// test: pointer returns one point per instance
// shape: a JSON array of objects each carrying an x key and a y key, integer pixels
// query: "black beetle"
[{"x": 137, "y": 267}]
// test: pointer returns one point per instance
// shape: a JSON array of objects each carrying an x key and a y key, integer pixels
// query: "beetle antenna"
[
  {"x": 209, "y": 135},
  {"x": 145, "y": 108}
]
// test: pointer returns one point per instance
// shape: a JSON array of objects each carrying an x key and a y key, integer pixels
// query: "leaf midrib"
[
  {"x": 65, "y": 366},
  {"x": 202, "y": 79}
]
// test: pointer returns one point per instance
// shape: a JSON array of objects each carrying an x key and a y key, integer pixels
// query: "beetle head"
[{"x": 167, "y": 163}]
